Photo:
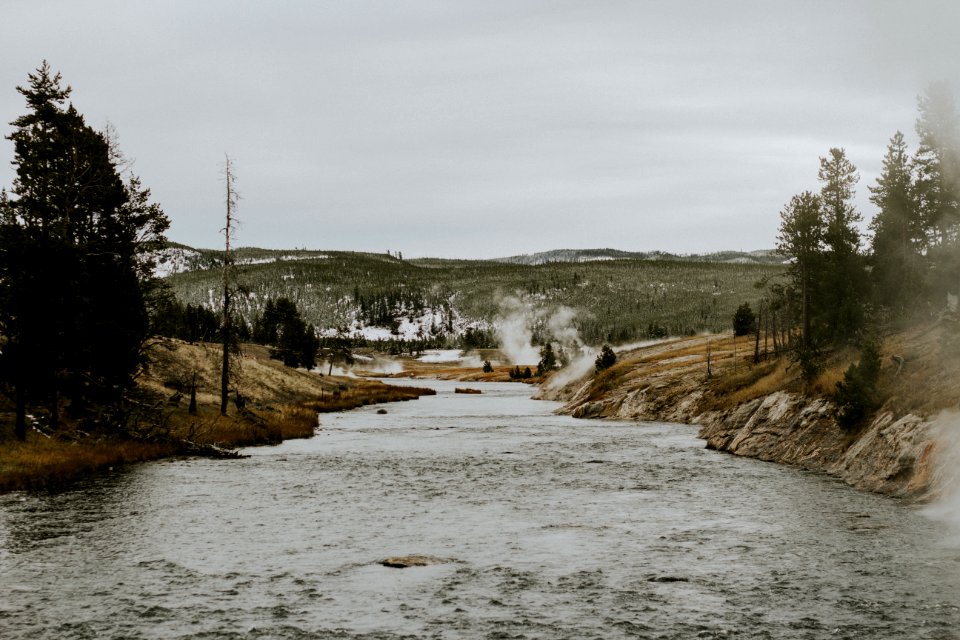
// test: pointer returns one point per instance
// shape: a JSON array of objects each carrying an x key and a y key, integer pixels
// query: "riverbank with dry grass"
[
  {"x": 276, "y": 403},
  {"x": 764, "y": 410}
]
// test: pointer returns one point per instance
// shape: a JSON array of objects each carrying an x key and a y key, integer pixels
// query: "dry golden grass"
[
  {"x": 925, "y": 383},
  {"x": 825, "y": 384},
  {"x": 371, "y": 392},
  {"x": 281, "y": 403},
  {"x": 41, "y": 462}
]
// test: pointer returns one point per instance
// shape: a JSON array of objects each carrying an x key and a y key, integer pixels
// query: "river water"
[{"x": 546, "y": 526}]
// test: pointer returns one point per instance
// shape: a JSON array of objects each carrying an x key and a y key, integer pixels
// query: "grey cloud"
[{"x": 482, "y": 128}]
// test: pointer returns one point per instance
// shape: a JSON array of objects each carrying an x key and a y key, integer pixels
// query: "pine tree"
[
  {"x": 802, "y": 231},
  {"x": 75, "y": 272},
  {"x": 898, "y": 235},
  {"x": 548, "y": 360},
  {"x": 744, "y": 320},
  {"x": 842, "y": 287},
  {"x": 937, "y": 165},
  {"x": 857, "y": 393},
  {"x": 606, "y": 359}
]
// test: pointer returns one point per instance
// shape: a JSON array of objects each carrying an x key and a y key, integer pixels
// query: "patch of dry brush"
[{"x": 277, "y": 403}]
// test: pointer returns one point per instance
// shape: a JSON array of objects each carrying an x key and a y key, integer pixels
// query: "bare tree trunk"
[
  {"x": 756, "y": 343},
  {"x": 192, "y": 409},
  {"x": 775, "y": 332},
  {"x": 766, "y": 331},
  {"x": 227, "y": 259},
  {"x": 805, "y": 308},
  {"x": 20, "y": 427},
  {"x": 55, "y": 408}
]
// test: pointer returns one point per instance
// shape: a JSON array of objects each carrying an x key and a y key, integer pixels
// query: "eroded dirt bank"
[{"x": 762, "y": 411}]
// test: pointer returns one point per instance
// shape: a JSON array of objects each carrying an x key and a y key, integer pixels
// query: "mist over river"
[{"x": 543, "y": 526}]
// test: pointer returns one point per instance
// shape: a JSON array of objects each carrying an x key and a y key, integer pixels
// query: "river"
[{"x": 543, "y": 526}]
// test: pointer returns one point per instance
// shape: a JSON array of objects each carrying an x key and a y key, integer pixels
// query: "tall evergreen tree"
[
  {"x": 802, "y": 232},
  {"x": 842, "y": 288},
  {"x": 75, "y": 271},
  {"x": 937, "y": 187},
  {"x": 937, "y": 164},
  {"x": 898, "y": 235}
]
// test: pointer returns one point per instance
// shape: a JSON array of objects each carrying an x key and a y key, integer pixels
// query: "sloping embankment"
[{"x": 758, "y": 411}]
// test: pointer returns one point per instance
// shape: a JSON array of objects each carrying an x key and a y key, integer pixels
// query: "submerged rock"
[
  {"x": 668, "y": 579},
  {"x": 403, "y": 562}
]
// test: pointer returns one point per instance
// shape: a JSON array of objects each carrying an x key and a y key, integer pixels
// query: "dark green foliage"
[
  {"x": 487, "y": 367},
  {"x": 75, "y": 259},
  {"x": 293, "y": 341},
  {"x": 857, "y": 393},
  {"x": 744, "y": 320},
  {"x": 802, "y": 229},
  {"x": 842, "y": 287},
  {"x": 478, "y": 339},
  {"x": 516, "y": 374},
  {"x": 267, "y": 326},
  {"x": 898, "y": 235},
  {"x": 548, "y": 360},
  {"x": 656, "y": 330},
  {"x": 810, "y": 359},
  {"x": 606, "y": 359},
  {"x": 187, "y": 322},
  {"x": 937, "y": 166}
]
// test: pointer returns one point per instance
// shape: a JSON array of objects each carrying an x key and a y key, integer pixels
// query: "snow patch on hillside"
[
  {"x": 409, "y": 325},
  {"x": 174, "y": 260},
  {"x": 283, "y": 258}
]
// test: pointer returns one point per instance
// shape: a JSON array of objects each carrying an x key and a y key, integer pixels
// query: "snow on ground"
[
  {"x": 410, "y": 326},
  {"x": 284, "y": 258},
  {"x": 441, "y": 355},
  {"x": 173, "y": 260}
]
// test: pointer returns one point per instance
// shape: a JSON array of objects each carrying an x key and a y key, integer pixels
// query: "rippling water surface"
[{"x": 549, "y": 527}]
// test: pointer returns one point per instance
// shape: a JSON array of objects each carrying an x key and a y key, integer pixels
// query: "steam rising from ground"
[
  {"x": 514, "y": 328},
  {"x": 945, "y": 429}
]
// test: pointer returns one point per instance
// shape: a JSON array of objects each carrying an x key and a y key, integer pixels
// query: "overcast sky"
[{"x": 486, "y": 128}]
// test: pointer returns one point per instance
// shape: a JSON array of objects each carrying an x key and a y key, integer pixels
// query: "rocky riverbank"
[{"x": 763, "y": 411}]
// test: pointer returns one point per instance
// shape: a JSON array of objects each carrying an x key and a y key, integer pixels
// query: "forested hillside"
[
  {"x": 615, "y": 301},
  {"x": 762, "y": 256}
]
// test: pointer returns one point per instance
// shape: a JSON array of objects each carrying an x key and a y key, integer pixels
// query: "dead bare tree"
[{"x": 228, "y": 229}]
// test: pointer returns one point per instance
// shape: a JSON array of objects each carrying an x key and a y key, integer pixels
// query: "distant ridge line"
[
  {"x": 760, "y": 256},
  {"x": 177, "y": 257}
]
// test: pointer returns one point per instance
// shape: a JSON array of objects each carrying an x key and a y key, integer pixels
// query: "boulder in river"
[{"x": 404, "y": 562}]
